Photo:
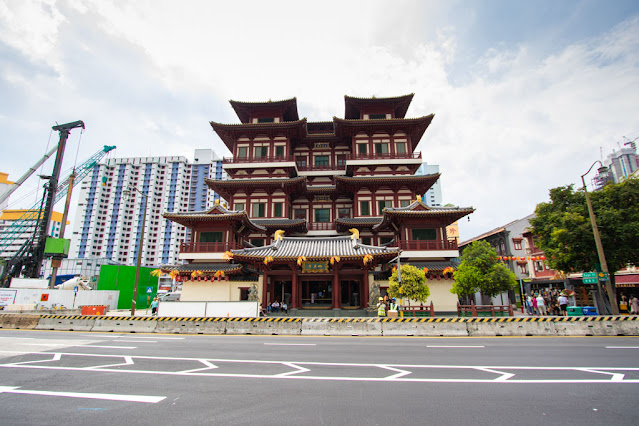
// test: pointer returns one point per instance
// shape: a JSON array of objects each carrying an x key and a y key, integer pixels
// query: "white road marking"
[
  {"x": 108, "y": 396},
  {"x": 137, "y": 341},
  {"x": 622, "y": 347},
  {"x": 290, "y": 344},
  {"x": 455, "y": 346},
  {"x": 108, "y": 347},
  {"x": 299, "y": 367}
]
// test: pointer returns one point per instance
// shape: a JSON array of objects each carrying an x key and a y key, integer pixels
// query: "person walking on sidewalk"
[
  {"x": 154, "y": 307},
  {"x": 541, "y": 305},
  {"x": 381, "y": 308}
]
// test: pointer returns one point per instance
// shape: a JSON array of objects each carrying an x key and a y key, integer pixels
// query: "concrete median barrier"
[
  {"x": 276, "y": 325},
  {"x": 510, "y": 327},
  {"x": 424, "y": 327},
  {"x": 316, "y": 327},
  {"x": 66, "y": 322},
  {"x": 28, "y": 322},
  {"x": 191, "y": 325},
  {"x": 354, "y": 327},
  {"x": 125, "y": 324}
]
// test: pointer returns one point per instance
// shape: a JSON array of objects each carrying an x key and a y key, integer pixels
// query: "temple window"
[
  {"x": 300, "y": 161},
  {"x": 341, "y": 160},
  {"x": 300, "y": 214},
  {"x": 321, "y": 160},
  {"x": 211, "y": 237},
  {"x": 239, "y": 206},
  {"x": 257, "y": 210},
  {"x": 404, "y": 203},
  {"x": 279, "y": 151},
  {"x": 322, "y": 215},
  {"x": 277, "y": 209},
  {"x": 366, "y": 241},
  {"x": 400, "y": 147},
  {"x": 381, "y": 148},
  {"x": 257, "y": 242},
  {"x": 427, "y": 234},
  {"x": 266, "y": 120},
  {"x": 261, "y": 151},
  {"x": 344, "y": 213},
  {"x": 385, "y": 240},
  {"x": 242, "y": 152},
  {"x": 362, "y": 148},
  {"x": 364, "y": 208},
  {"x": 382, "y": 204},
  {"x": 377, "y": 116}
]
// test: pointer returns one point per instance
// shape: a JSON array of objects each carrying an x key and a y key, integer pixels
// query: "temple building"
[{"x": 316, "y": 214}]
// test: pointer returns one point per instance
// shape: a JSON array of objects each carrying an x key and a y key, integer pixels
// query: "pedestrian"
[
  {"x": 381, "y": 308},
  {"x": 528, "y": 301},
  {"x": 541, "y": 305},
  {"x": 623, "y": 304},
  {"x": 284, "y": 307},
  {"x": 154, "y": 306},
  {"x": 393, "y": 308},
  {"x": 534, "y": 305},
  {"x": 563, "y": 303},
  {"x": 634, "y": 305}
]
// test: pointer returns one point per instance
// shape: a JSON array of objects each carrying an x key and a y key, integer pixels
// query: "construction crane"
[{"x": 30, "y": 253}]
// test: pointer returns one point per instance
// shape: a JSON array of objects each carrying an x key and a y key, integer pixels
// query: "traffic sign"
[
  {"x": 76, "y": 289},
  {"x": 603, "y": 276},
  {"x": 589, "y": 275},
  {"x": 149, "y": 290}
]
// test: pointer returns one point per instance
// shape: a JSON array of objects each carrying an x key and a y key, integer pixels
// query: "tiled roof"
[
  {"x": 290, "y": 248},
  {"x": 281, "y": 223},
  {"x": 434, "y": 266},
  {"x": 206, "y": 267},
  {"x": 215, "y": 214},
  {"x": 399, "y": 104},
  {"x": 417, "y": 209},
  {"x": 288, "y": 106}
]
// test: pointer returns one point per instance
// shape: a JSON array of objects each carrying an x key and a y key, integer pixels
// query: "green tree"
[
  {"x": 563, "y": 231},
  {"x": 413, "y": 285},
  {"x": 480, "y": 270}
]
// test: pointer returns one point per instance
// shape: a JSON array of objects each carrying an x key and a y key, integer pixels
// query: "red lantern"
[{"x": 543, "y": 257}]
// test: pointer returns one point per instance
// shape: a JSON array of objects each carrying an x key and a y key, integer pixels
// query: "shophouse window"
[
  {"x": 517, "y": 244},
  {"x": 277, "y": 209},
  {"x": 322, "y": 215},
  {"x": 381, "y": 148},
  {"x": 400, "y": 147},
  {"x": 242, "y": 152},
  {"x": 344, "y": 213},
  {"x": 364, "y": 208},
  {"x": 266, "y": 120},
  {"x": 362, "y": 148},
  {"x": 321, "y": 160},
  {"x": 279, "y": 151},
  {"x": 258, "y": 210},
  {"x": 523, "y": 268},
  {"x": 300, "y": 214},
  {"x": 211, "y": 237},
  {"x": 426, "y": 234},
  {"x": 382, "y": 204},
  {"x": 239, "y": 206},
  {"x": 261, "y": 151}
]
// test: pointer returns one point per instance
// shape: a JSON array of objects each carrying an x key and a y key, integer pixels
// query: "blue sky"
[{"x": 526, "y": 94}]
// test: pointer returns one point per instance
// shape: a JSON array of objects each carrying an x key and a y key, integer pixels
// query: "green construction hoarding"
[{"x": 122, "y": 278}]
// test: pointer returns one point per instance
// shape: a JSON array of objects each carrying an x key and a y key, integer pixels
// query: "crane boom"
[{"x": 25, "y": 176}]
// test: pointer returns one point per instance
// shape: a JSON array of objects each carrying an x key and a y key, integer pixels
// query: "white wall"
[{"x": 66, "y": 298}]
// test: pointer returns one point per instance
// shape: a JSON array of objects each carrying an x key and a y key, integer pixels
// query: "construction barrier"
[
  {"x": 94, "y": 310},
  {"x": 506, "y": 326}
]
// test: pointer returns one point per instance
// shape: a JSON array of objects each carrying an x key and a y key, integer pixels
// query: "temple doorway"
[
  {"x": 281, "y": 291},
  {"x": 350, "y": 293},
  {"x": 317, "y": 294}
]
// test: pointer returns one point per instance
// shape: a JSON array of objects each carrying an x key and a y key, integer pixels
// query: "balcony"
[
  {"x": 319, "y": 167},
  {"x": 421, "y": 245},
  {"x": 258, "y": 159},
  {"x": 386, "y": 156},
  {"x": 208, "y": 247},
  {"x": 321, "y": 226}
]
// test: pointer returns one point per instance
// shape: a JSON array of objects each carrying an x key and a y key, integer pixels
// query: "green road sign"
[
  {"x": 603, "y": 276},
  {"x": 589, "y": 275}
]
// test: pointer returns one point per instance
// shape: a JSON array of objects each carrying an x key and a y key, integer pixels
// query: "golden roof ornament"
[
  {"x": 279, "y": 235},
  {"x": 354, "y": 233}
]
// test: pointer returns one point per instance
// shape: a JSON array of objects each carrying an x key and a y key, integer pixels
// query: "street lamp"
[
  {"x": 127, "y": 193},
  {"x": 603, "y": 173}
]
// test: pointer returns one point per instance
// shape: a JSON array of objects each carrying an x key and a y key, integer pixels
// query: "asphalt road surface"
[{"x": 75, "y": 378}]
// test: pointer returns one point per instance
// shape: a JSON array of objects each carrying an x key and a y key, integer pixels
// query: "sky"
[{"x": 526, "y": 94}]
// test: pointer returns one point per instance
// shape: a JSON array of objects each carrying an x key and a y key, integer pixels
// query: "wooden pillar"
[
  {"x": 265, "y": 301},
  {"x": 365, "y": 296},
  {"x": 295, "y": 290},
  {"x": 337, "y": 293}
]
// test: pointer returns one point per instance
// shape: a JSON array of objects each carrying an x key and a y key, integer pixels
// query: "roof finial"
[
  {"x": 354, "y": 233},
  {"x": 217, "y": 202},
  {"x": 279, "y": 235},
  {"x": 419, "y": 198}
]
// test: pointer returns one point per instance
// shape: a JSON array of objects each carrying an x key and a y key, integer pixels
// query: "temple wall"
[{"x": 215, "y": 291}]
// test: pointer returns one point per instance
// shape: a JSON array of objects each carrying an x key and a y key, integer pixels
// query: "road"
[{"x": 109, "y": 379}]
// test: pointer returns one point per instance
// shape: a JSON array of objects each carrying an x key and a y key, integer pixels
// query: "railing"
[
  {"x": 316, "y": 167},
  {"x": 208, "y": 247},
  {"x": 415, "y": 245},
  {"x": 258, "y": 159},
  {"x": 315, "y": 226},
  {"x": 419, "y": 311},
  {"x": 385, "y": 156},
  {"x": 474, "y": 310}
]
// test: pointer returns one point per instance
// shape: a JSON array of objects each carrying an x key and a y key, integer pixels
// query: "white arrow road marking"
[
  {"x": 56, "y": 357},
  {"x": 504, "y": 376},
  {"x": 203, "y": 361},
  {"x": 616, "y": 377},
  {"x": 109, "y": 396},
  {"x": 400, "y": 373},
  {"x": 297, "y": 370}
]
